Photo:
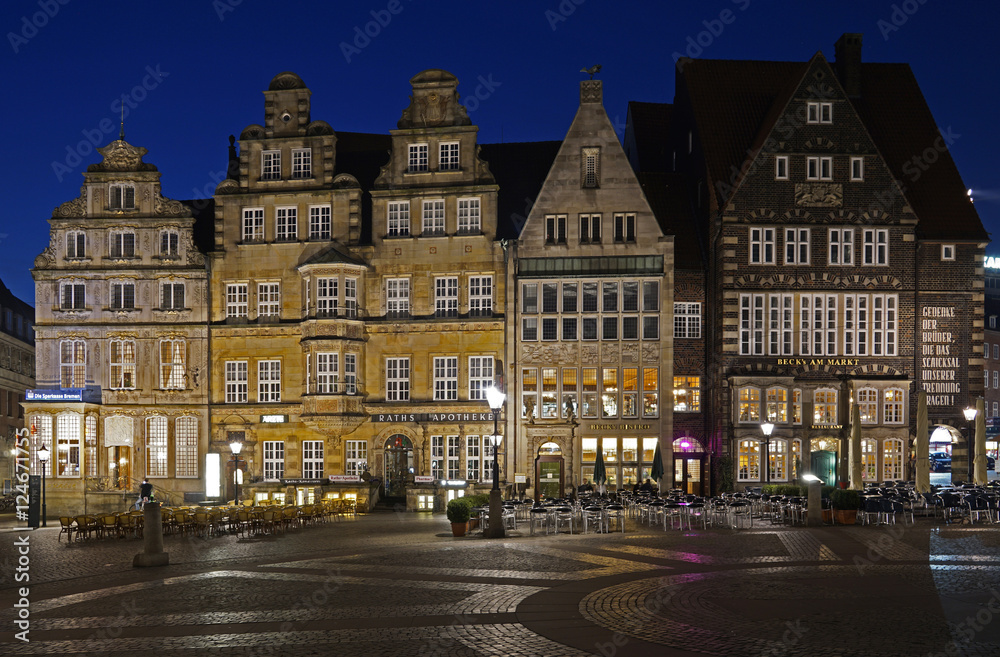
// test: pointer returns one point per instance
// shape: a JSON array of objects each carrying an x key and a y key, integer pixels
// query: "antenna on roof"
[{"x": 121, "y": 132}]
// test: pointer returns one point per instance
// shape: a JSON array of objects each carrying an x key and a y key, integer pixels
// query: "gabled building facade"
[
  {"x": 121, "y": 340},
  {"x": 17, "y": 374},
  {"x": 591, "y": 303}
]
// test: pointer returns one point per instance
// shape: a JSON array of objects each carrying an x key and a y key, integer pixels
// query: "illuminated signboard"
[
  {"x": 992, "y": 262},
  {"x": 274, "y": 419}
]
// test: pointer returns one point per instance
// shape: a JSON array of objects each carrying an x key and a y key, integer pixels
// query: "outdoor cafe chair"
[
  {"x": 593, "y": 515},
  {"x": 85, "y": 526},
  {"x": 739, "y": 515},
  {"x": 978, "y": 507},
  {"x": 67, "y": 528},
  {"x": 509, "y": 516},
  {"x": 563, "y": 516},
  {"x": 952, "y": 506},
  {"x": 673, "y": 513},
  {"x": 538, "y": 515},
  {"x": 697, "y": 510},
  {"x": 107, "y": 524},
  {"x": 616, "y": 513}
]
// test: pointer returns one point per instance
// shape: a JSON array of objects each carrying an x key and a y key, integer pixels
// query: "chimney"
[{"x": 847, "y": 52}]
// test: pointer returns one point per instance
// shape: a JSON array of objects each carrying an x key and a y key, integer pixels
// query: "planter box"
[
  {"x": 845, "y": 517},
  {"x": 459, "y": 528}
]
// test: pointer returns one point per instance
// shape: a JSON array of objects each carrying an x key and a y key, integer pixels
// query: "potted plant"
[
  {"x": 459, "y": 510},
  {"x": 845, "y": 503}
]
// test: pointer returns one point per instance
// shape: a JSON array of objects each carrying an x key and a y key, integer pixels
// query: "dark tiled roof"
[
  {"x": 19, "y": 307},
  {"x": 332, "y": 256},
  {"x": 519, "y": 169},
  {"x": 668, "y": 196},
  {"x": 650, "y": 123},
  {"x": 203, "y": 210},
  {"x": 735, "y": 104}
]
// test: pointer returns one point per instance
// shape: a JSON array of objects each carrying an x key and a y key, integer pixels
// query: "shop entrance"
[
  {"x": 689, "y": 466},
  {"x": 398, "y": 465},
  {"x": 823, "y": 464},
  {"x": 549, "y": 472},
  {"x": 120, "y": 467}
]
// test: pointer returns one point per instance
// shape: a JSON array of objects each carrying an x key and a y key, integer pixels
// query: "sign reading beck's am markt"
[{"x": 939, "y": 368}]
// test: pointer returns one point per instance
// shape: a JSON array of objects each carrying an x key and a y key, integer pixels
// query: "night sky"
[{"x": 192, "y": 72}]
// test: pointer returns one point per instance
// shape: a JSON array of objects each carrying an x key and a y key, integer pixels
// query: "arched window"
[
  {"x": 777, "y": 456},
  {"x": 867, "y": 401},
  {"x": 892, "y": 459},
  {"x": 749, "y": 460},
  {"x": 869, "y": 460},
  {"x": 749, "y": 405},
  {"x": 687, "y": 444}
]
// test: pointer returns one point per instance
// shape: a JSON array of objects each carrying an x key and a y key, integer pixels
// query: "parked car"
[
  {"x": 991, "y": 463},
  {"x": 940, "y": 462}
]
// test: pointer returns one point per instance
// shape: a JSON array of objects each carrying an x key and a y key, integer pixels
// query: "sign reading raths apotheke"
[
  {"x": 432, "y": 417},
  {"x": 941, "y": 371}
]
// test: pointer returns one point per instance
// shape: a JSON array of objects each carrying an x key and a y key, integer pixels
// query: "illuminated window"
[
  {"x": 687, "y": 394},
  {"x": 749, "y": 401},
  {"x": 749, "y": 460},
  {"x": 156, "y": 446},
  {"x": 867, "y": 400},
  {"x": 776, "y": 408},
  {"x": 892, "y": 459},
  {"x": 825, "y": 407},
  {"x": 892, "y": 409},
  {"x": 186, "y": 446}
]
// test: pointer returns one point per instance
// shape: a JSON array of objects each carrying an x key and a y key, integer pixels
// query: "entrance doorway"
[
  {"x": 398, "y": 465},
  {"x": 549, "y": 472},
  {"x": 689, "y": 466},
  {"x": 120, "y": 467},
  {"x": 823, "y": 464}
]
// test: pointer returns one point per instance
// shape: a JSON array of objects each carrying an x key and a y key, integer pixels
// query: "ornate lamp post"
[
  {"x": 970, "y": 418},
  {"x": 495, "y": 398},
  {"x": 236, "y": 447},
  {"x": 43, "y": 458},
  {"x": 767, "y": 428}
]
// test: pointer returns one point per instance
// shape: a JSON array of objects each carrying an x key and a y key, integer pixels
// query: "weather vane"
[{"x": 596, "y": 68}]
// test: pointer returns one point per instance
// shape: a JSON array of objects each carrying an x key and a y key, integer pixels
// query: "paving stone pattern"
[{"x": 399, "y": 584}]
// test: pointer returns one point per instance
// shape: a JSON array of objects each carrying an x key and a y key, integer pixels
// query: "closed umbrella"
[
  {"x": 657, "y": 472},
  {"x": 923, "y": 481},
  {"x": 980, "y": 463},
  {"x": 855, "y": 452},
  {"x": 600, "y": 472}
]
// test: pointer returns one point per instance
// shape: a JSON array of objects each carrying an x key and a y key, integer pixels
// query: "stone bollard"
[
  {"x": 814, "y": 516},
  {"x": 152, "y": 539}
]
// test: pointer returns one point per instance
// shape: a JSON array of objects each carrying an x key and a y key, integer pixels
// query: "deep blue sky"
[{"x": 215, "y": 57}]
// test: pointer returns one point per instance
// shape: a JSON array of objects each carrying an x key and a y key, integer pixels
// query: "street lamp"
[
  {"x": 43, "y": 458},
  {"x": 236, "y": 447},
  {"x": 767, "y": 428},
  {"x": 970, "y": 417},
  {"x": 495, "y": 398}
]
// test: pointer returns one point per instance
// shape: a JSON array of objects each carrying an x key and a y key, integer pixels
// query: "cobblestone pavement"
[{"x": 400, "y": 584}]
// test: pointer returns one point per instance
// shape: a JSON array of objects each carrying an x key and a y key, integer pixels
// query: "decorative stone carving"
[
  {"x": 252, "y": 131},
  {"x": 819, "y": 195},
  {"x": 319, "y": 128},
  {"x": 434, "y": 102},
  {"x": 589, "y": 354},
  {"x": 169, "y": 207},
  {"x": 610, "y": 353},
  {"x": 47, "y": 258},
  {"x": 227, "y": 186},
  {"x": 120, "y": 155},
  {"x": 630, "y": 352},
  {"x": 650, "y": 353},
  {"x": 75, "y": 208}
]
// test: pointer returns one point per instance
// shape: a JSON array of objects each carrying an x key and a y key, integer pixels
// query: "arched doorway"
[
  {"x": 823, "y": 459},
  {"x": 549, "y": 471},
  {"x": 689, "y": 465},
  {"x": 398, "y": 465}
]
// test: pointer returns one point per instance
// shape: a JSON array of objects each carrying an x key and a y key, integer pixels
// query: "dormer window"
[
  {"x": 169, "y": 244},
  {"x": 270, "y": 165},
  {"x": 448, "y": 157},
  {"x": 817, "y": 112},
  {"x": 417, "y": 160},
  {"x": 591, "y": 162},
  {"x": 121, "y": 197},
  {"x": 301, "y": 163}
]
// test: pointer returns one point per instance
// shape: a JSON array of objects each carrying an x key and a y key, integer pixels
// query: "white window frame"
[
  {"x": 819, "y": 167},
  {"x": 432, "y": 217},
  {"x": 172, "y": 295},
  {"x": 797, "y": 246},
  {"x": 876, "y": 247},
  {"x": 480, "y": 296},
  {"x": 327, "y": 296},
  {"x": 122, "y": 295},
  {"x": 867, "y": 399},
  {"x": 397, "y": 379},
  {"x": 417, "y": 158},
  {"x": 445, "y": 378},
  {"x": 274, "y": 460},
  {"x": 947, "y": 252},
  {"x": 469, "y": 215},
  {"x": 398, "y": 218},
  {"x": 762, "y": 245},
  {"x": 840, "y": 249},
  {"x": 121, "y": 196},
  {"x": 446, "y": 296},
  {"x": 173, "y": 364},
  {"x": 121, "y": 244},
  {"x": 819, "y": 112},
  {"x": 320, "y": 222},
  {"x": 397, "y": 297},
  {"x": 268, "y": 381},
  {"x": 237, "y": 299},
  {"x": 894, "y": 410},
  {"x": 687, "y": 319},
  {"x": 157, "y": 446},
  {"x": 236, "y": 381},
  {"x": 480, "y": 376},
  {"x": 312, "y": 459},
  {"x": 270, "y": 165},
  {"x": 301, "y": 163},
  {"x": 76, "y": 244},
  {"x": 286, "y": 223},
  {"x": 253, "y": 225},
  {"x": 355, "y": 457},
  {"x": 186, "y": 446},
  {"x": 170, "y": 243},
  {"x": 72, "y": 363},
  {"x": 327, "y": 372},
  {"x": 350, "y": 297},
  {"x": 781, "y": 167},
  {"x": 72, "y": 295},
  {"x": 473, "y": 458},
  {"x": 857, "y": 169},
  {"x": 746, "y": 451},
  {"x": 122, "y": 361},
  {"x": 752, "y": 322},
  {"x": 448, "y": 156},
  {"x": 269, "y": 299},
  {"x": 350, "y": 373}
]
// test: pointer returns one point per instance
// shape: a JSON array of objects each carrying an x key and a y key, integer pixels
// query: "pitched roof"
[
  {"x": 650, "y": 132},
  {"x": 519, "y": 169},
  {"x": 362, "y": 155},
  {"x": 668, "y": 197},
  {"x": 733, "y": 103},
  {"x": 332, "y": 256}
]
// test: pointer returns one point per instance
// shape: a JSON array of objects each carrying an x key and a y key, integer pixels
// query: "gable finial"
[
  {"x": 121, "y": 131},
  {"x": 593, "y": 70}
]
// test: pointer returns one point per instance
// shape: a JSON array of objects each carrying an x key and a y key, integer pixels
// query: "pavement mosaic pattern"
[{"x": 400, "y": 584}]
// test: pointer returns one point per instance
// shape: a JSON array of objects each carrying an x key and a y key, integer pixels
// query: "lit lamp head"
[
  {"x": 495, "y": 398},
  {"x": 43, "y": 454},
  {"x": 767, "y": 428},
  {"x": 236, "y": 447},
  {"x": 494, "y": 440},
  {"x": 970, "y": 413},
  {"x": 810, "y": 478}
]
